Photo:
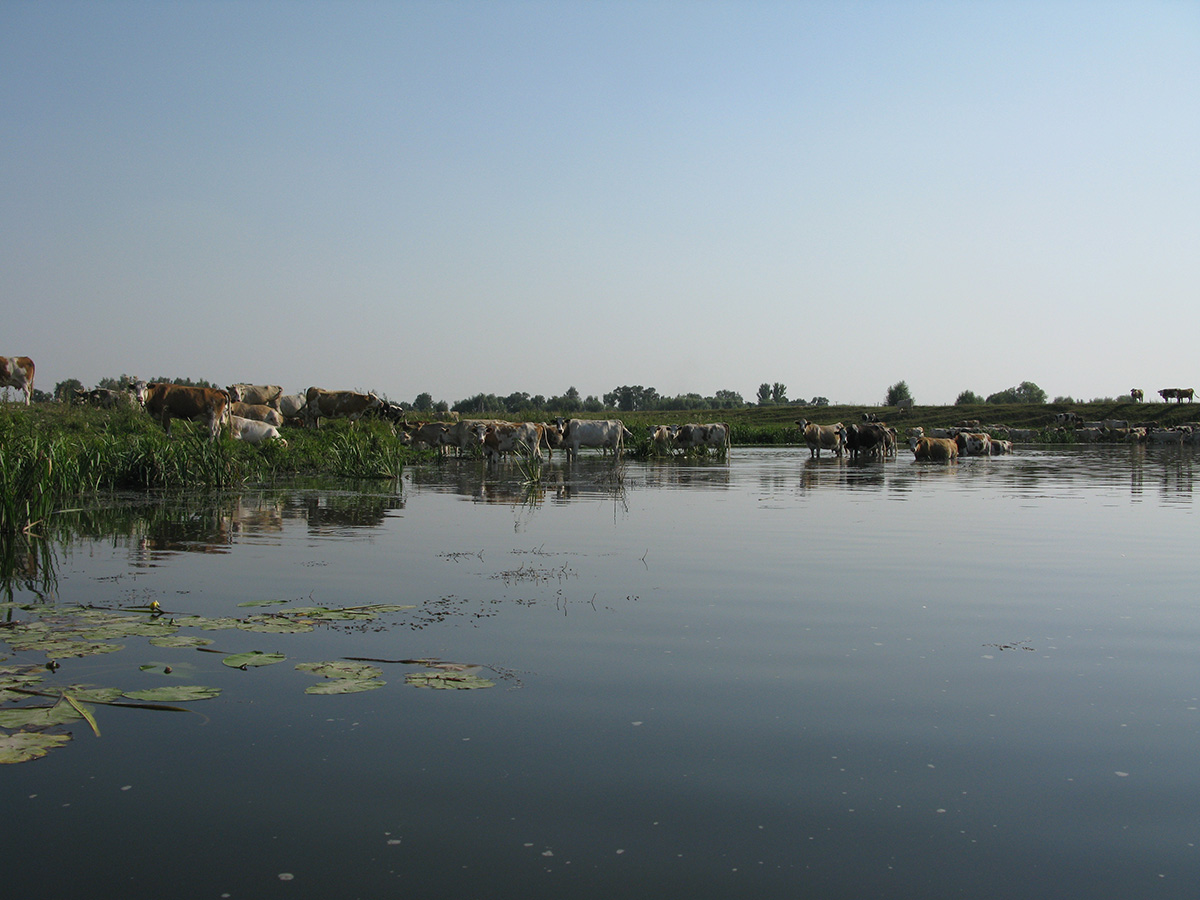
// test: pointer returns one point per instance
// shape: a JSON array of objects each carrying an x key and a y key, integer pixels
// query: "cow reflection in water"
[{"x": 348, "y": 510}]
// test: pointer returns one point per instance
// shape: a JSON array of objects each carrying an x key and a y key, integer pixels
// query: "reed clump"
[{"x": 55, "y": 452}]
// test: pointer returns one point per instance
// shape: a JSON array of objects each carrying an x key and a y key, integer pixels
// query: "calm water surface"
[{"x": 776, "y": 677}]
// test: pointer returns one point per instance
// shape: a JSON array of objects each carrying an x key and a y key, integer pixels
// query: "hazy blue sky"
[{"x": 492, "y": 197}]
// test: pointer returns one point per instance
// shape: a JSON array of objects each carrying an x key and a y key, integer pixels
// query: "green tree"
[
  {"x": 1025, "y": 392},
  {"x": 966, "y": 398},
  {"x": 728, "y": 400},
  {"x": 423, "y": 403},
  {"x": 764, "y": 394},
  {"x": 897, "y": 392},
  {"x": 779, "y": 393},
  {"x": 64, "y": 391}
]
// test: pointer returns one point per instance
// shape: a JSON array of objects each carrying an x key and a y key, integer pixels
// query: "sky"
[{"x": 491, "y": 197}]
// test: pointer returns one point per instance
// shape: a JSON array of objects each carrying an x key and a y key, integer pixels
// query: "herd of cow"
[
  {"x": 874, "y": 439},
  {"x": 254, "y": 413}
]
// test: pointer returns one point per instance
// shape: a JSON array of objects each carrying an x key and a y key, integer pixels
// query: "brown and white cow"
[
  {"x": 266, "y": 394},
  {"x": 822, "y": 437},
  {"x": 260, "y": 412},
  {"x": 928, "y": 449},
  {"x": 974, "y": 443},
  {"x": 17, "y": 372},
  {"x": 1136, "y": 394},
  {"x": 176, "y": 401},
  {"x": 524, "y": 438},
  {"x": 320, "y": 404}
]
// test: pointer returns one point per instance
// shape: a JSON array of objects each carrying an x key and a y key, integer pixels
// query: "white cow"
[
  {"x": 602, "y": 433},
  {"x": 253, "y": 431}
]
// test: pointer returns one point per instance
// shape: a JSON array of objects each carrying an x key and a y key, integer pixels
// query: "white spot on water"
[{"x": 286, "y": 876}]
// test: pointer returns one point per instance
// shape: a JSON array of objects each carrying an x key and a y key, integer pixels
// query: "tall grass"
[{"x": 55, "y": 453}]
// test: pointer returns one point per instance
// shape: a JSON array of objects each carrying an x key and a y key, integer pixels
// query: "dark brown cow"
[
  {"x": 17, "y": 371},
  {"x": 167, "y": 401},
  {"x": 319, "y": 404}
]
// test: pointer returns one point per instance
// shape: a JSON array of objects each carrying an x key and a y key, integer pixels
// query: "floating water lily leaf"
[
  {"x": 179, "y": 640},
  {"x": 61, "y": 649},
  {"x": 447, "y": 680},
  {"x": 340, "y": 668},
  {"x": 262, "y": 603},
  {"x": 274, "y": 625},
  {"x": 175, "y": 694},
  {"x": 219, "y": 624},
  {"x": 344, "y": 686},
  {"x": 127, "y": 628},
  {"x": 24, "y": 746},
  {"x": 38, "y": 716},
  {"x": 253, "y": 658}
]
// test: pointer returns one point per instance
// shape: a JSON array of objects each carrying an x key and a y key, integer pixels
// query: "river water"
[{"x": 772, "y": 677}]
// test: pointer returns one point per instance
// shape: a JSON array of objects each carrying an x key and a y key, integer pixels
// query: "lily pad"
[
  {"x": 447, "y": 680},
  {"x": 220, "y": 624},
  {"x": 38, "y": 716},
  {"x": 179, "y": 640},
  {"x": 274, "y": 625},
  {"x": 253, "y": 658},
  {"x": 24, "y": 746},
  {"x": 61, "y": 649},
  {"x": 344, "y": 686},
  {"x": 175, "y": 694},
  {"x": 341, "y": 668},
  {"x": 262, "y": 603}
]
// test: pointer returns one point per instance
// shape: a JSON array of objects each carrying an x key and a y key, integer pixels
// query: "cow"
[
  {"x": 1001, "y": 447},
  {"x": 253, "y": 431},
  {"x": 869, "y": 439},
  {"x": 603, "y": 433},
  {"x": 904, "y": 405},
  {"x": 291, "y": 406},
  {"x": 524, "y": 438},
  {"x": 320, "y": 404},
  {"x": 822, "y": 437},
  {"x": 1182, "y": 394},
  {"x": 257, "y": 411},
  {"x": 552, "y": 437},
  {"x": 1164, "y": 436},
  {"x": 973, "y": 443},
  {"x": 17, "y": 372},
  {"x": 1136, "y": 395},
  {"x": 1168, "y": 394},
  {"x": 933, "y": 449},
  {"x": 267, "y": 394},
  {"x": 104, "y": 398},
  {"x": 167, "y": 401},
  {"x": 431, "y": 434},
  {"x": 465, "y": 435}
]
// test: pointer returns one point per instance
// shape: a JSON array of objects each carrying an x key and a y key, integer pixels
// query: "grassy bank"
[{"x": 51, "y": 452}]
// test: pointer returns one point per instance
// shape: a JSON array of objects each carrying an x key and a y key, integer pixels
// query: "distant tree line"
[{"x": 1025, "y": 392}]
